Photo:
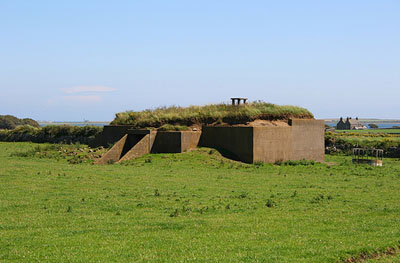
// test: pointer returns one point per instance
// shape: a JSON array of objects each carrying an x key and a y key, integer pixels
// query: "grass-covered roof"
[{"x": 209, "y": 114}]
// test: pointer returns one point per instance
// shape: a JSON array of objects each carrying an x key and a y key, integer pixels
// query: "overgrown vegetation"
[
  {"x": 371, "y": 131},
  {"x": 344, "y": 142},
  {"x": 11, "y": 122},
  {"x": 170, "y": 127},
  {"x": 208, "y": 114},
  {"x": 52, "y": 134},
  {"x": 193, "y": 207},
  {"x": 73, "y": 154}
]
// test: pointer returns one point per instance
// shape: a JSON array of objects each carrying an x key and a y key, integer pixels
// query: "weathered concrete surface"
[
  {"x": 272, "y": 144},
  {"x": 112, "y": 133},
  {"x": 189, "y": 140},
  {"x": 167, "y": 142},
  {"x": 308, "y": 140},
  {"x": 175, "y": 141},
  {"x": 114, "y": 154},
  {"x": 136, "y": 143},
  {"x": 140, "y": 148},
  {"x": 302, "y": 139},
  {"x": 237, "y": 141}
]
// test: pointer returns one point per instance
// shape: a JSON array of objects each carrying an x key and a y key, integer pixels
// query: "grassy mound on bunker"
[{"x": 210, "y": 114}]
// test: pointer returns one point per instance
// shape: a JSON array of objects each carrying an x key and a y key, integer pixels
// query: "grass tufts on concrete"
[{"x": 208, "y": 114}]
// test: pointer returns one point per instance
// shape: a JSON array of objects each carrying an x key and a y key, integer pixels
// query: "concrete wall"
[
  {"x": 167, "y": 142},
  {"x": 303, "y": 139},
  {"x": 114, "y": 154},
  {"x": 236, "y": 141},
  {"x": 142, "y": 147},
  {"x": 136, "y": 143},
  {"x": 175, "y": 141},
  {"x": 131, "y": 141},
  {"x": 272, "y": 144},
  {"x": 308, "y": 140},
  {"x": 189, "y": 140},
  {"x": 112, "y": 133}
]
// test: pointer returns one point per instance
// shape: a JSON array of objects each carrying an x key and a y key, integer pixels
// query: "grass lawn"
[{"x": 194, "y": 207}]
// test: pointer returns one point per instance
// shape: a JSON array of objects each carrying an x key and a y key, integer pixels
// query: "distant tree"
[
  {"x": 11, "y": 122},
  {"x": 373, "y": 126},
  {"x": 33, "y": 123}
]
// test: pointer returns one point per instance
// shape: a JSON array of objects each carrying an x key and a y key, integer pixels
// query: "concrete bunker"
[
  {"x": 297, "y": 140},
  {"x": 135, "y": 143}
]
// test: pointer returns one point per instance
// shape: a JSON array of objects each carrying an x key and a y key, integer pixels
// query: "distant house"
[{"x": 350, "y": 124}]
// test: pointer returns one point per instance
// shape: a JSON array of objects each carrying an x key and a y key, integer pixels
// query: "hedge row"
[
  {"x": 337, "y": 143},
  {"x": 11, "y": 122},
  {"x": 52, "y": 134}
]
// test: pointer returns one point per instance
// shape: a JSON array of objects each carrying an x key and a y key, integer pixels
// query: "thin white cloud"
[
  {"x": 83, "y": 98},
  {"x": 80, "y": 89}
]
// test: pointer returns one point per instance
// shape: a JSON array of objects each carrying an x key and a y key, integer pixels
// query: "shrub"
[
  {"x": 52, "y": 134},
  {"x": 170, "y": 127},
  {"x": 11, "y": 122},
  {"x": 345, "y": 142}
]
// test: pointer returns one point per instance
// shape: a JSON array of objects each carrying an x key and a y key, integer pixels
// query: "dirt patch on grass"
[
  {"x": 253, "y": 123},
  {"x": 266, "y": 123},
  {"x": 365, "y": 256}
]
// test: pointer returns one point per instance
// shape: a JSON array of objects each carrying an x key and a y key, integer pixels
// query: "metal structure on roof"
[{"x": 236, "y": 101}]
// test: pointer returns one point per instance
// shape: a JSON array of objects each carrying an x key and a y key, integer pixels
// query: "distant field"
[{"x": 192, "y": 207}]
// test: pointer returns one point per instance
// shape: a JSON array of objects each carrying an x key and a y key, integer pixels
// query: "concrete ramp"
[
  {"x": 139, "y": 149},
  {"x": 128, "y": 147},
  {"x": 135, "y": 143},
  {"x": 114, "y": 154}
]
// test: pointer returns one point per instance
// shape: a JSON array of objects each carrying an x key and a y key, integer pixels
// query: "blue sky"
[{"x": 75, "y": 60}]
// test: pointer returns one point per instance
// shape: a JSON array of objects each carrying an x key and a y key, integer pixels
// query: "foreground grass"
[
  {"x": 385, "y": 259},
  {"x": 208, "y": 114},
  {"x": 193, "y": 207}
]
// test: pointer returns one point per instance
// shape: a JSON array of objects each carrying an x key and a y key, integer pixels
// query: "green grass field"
[{"x": 193, "y": 207}]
